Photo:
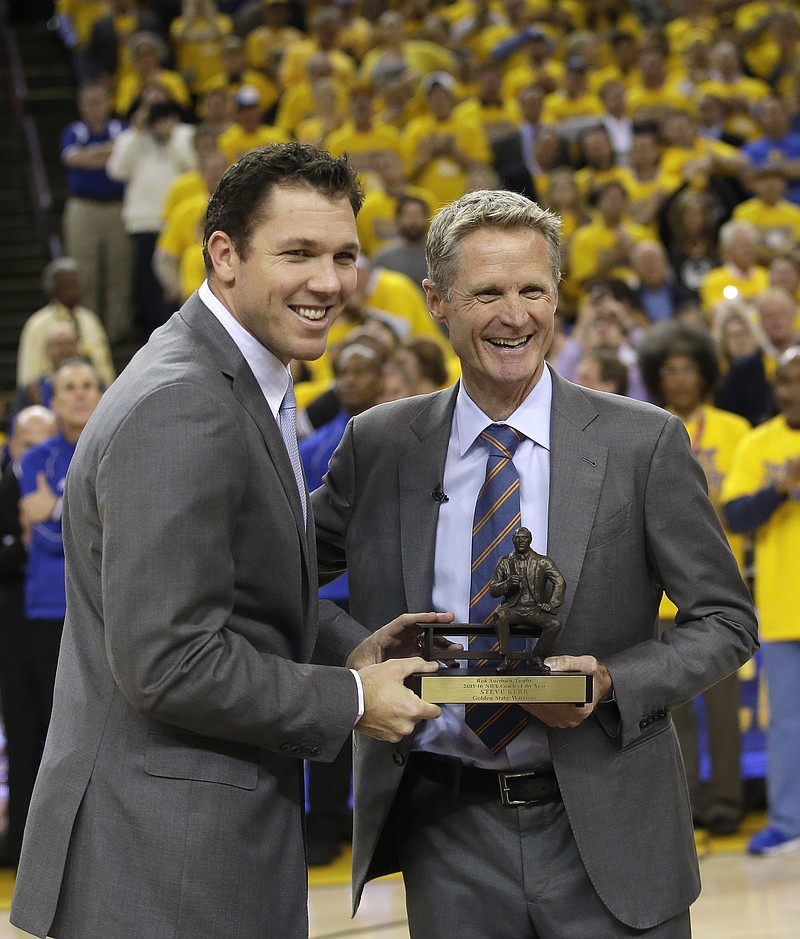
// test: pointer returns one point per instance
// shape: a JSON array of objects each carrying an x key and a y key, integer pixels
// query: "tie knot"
[
  {"x": 289, "y": 402},
  {"x": 501, "y": 440}
]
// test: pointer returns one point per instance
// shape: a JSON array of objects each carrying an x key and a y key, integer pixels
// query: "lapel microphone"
[{"x": 438, "y": 495}]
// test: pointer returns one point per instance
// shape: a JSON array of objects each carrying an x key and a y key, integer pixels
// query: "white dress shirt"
[{"x": 464, "y": 474}]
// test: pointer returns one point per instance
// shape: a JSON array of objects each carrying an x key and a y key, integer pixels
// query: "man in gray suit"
[
  {"x": 580, "y": 825},
  {"x": 170, "y": 799}
]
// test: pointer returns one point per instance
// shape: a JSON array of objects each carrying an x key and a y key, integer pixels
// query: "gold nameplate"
[{"x": 470, "y": 686}]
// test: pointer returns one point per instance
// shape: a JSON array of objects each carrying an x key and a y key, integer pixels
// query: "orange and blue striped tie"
[{"x": 497, "y": 516}]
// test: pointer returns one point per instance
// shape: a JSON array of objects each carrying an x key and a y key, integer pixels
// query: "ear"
[
  {"x": 435, "y": 301},
  {"x": 223, "y": 257}
]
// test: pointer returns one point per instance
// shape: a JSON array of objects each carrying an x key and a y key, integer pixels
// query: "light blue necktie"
[
  {"x": 497, "y": 516},
  {"x": 287, "y": 414}
]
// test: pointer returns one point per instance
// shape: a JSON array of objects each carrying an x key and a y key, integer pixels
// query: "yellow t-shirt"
[
  {"x": 183, "y": 226},
  {"x": 236, "y": 141},
  {"x": 191, "y": 270},
  {"x": 262, "y": 42},
  {"x": 779, "y": 223},
  {"x": 267, "y": 89},
  {"x": 714, "y": 434},
  {"x": 496, "y": 120},
  {"x": 558, "y": 107},
  {"x": 199, "y": 54},
  {"x": 590, "y": 241},
  {"x": 443, "y": 175},
  {"x": 190, "y": 183},
  {"x": 347, "y": 139},
  {"x": 756, "y": 464},
  {"x": 130, "y": 87},
  {"x": 376, "y": 223},
  {"x": 718, "y": 278}
]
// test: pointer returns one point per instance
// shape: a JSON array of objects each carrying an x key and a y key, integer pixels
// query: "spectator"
[
  {"x": 61, "y": 283},
  {"x": 235, "y": 72},
  {"x": 573, "y": 102},
  {"x": 762, "y": 495},
  {"x": 618, "y": 125},
  {"x": 147, "y": 157},
  {"x": 680, "y": 367},
  {"x": 735, "y": 332},
  {"x": 597, "y": 160},
  {"x": 323, "y": 37},
  {"x": 23, "y": 721},
  {"x": 61, "y": 344},
  {"x": 777, "y": 144},
  {"x": 602, "y": 370},
  {"x": 406, "y": 253},
  {"x": 740, "y": 92},
  {"x": 197, "y": 37},
  {"x": 497, "y": 114},
  {"x": 247, "y": 130},
  {"x": 94, "y": 233},
  {"x": 107, "y": 54},
  {"x": 784, "y": 272},
  {"x": 268, "y": 40},
  {"x": 358, "y": 371},
  {"x": 513, "y": 155},
  {"x": 776, "y": 218},
  {"x": 438, "y": 149},
  {"x": 690, "y": 236},
  {"x": 148, "y": 54},
  {"x": 661, "y": 295},
  {"x": 740, "y": 274},
  {"x": 425, "y": 364},
  {"x": 747, "y": 388},
  {"x": 361, "y": 136}
]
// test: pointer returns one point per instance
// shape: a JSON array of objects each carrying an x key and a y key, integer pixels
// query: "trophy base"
[{"x": 477, "y": 686}]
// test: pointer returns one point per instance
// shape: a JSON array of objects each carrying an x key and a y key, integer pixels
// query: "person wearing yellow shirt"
[
  {"x": 197, "y": 36},
  {"x": 498, "y": 115},
  {"x": 148, "y": 51},
  {"x": 761, "y": 494},
  {"x": 183, "y": 227},
  {"x": 777, "y": 219},
  {"x": 247, "y": 131},
  {"x": 324, "y": 29},
  {"x": 739, "y": 275},
  {"x": 687, "y": 157},
  {"x": 680, "y": 367},
  {"x": 377, "y": 220},
  {"x": 644, "y": 179},
  {"x": 297, "y": 102},
  {"x": 356, "y": 32},
  {"x": 266, "y": 43},
  {"x": 601, "y": 248},
  {"x": 573, "y": 100},
  {"x": 658, "y": 92},
  {"x": 362, "y": 137},
  {"x": 234, "y": 73},
  {"x": 624, "y": 48},
  {"x": 438, "y": 149},
  {"x": 108, "y": 57},
  {"x": 539, "y": 65},
  {"x": 740, "y": 92},
  {"x": 419, "y": 56},
  {"x": 596, "y": 152},
  {"x": 191, "y": 182}
]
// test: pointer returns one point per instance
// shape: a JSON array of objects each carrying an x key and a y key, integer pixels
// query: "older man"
[{"x": 548, "y": 821}]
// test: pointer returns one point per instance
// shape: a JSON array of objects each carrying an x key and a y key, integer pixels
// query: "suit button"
[{"x": 397, "y": 758}]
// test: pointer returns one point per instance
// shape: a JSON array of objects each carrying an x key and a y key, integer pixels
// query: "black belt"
[{"x": 511, "y": 788}]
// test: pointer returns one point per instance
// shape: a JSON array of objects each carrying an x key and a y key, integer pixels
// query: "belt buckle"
[{"x": 503, "y": 779}]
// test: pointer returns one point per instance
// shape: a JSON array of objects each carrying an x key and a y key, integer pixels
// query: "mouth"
[
  {"x": 509, "y": 343},
  {"x": 311, "y": 313}
]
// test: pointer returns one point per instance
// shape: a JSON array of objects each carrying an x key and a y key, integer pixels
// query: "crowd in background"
[{"x": 665, "y": 135}]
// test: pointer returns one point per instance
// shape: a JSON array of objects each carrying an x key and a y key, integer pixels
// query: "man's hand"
[
  {"x": 37, "y": 506},
  {"x": 392, "y": 711},
  {"x": 568, "y": 715},
  {"x": 398, "y": 640}
]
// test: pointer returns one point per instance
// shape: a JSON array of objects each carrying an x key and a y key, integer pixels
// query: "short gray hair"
[
  {"x": 486, "y": 208},
  {"x": 59, "y": 266}
]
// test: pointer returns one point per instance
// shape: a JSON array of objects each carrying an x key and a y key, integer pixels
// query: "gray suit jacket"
[
  {"x": 170, "y": 799},
  {"x": 628, "y": 515}
]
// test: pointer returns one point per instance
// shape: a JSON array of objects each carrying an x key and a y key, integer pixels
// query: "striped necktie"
[
  {"x": 497, "y": 516},
  {"x": 287, "y": 414}
]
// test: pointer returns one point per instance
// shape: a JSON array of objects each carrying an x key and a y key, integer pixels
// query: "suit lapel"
[
  {"x": 248, "y": 392},
  {"x": 577, "y": 468},
  {"x": 421, "y": 470}
]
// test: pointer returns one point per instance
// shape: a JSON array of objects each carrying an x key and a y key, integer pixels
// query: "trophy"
[{"x": 532, "y": 587}]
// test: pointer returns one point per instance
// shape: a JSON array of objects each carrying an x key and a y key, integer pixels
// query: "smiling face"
[
  {"x": 76, "y": 393},
  {"x": 297, "y": 274},
  {"x": 500, "y": 315}
]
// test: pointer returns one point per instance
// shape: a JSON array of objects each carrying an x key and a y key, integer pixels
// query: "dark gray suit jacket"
[
  {"x": 628, "y": 516},
  {"x": 170, "y": 799}
]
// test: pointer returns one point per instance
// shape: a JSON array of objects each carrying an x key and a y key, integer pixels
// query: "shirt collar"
[
  {"x": 532, "y": 417},
  {"x": 272, "y": 375}
]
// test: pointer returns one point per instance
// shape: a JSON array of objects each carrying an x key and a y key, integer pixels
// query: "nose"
[{"x": 325, "y": 277}]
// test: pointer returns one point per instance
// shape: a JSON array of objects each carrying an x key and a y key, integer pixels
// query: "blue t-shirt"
[
  {"x": 764, "y": 150},
  {"x": 91, "y": 184},
  {"x": 45, "y": 592}
]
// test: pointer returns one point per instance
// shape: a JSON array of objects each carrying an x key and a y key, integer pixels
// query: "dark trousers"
[
  {"x": 28, "y": 660},
  {"x": 151, "y": 309}
]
